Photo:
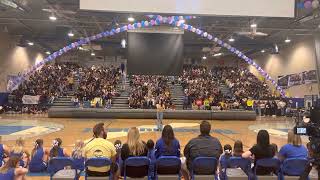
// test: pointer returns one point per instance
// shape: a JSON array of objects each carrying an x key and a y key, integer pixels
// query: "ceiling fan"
[{"x": 253, "y": 33}]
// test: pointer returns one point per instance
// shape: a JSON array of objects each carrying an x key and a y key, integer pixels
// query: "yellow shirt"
[
  {"x": 249, "y": 103},
  {"x": 99, "y": 147},
  {"x": 206, "y": 102}
]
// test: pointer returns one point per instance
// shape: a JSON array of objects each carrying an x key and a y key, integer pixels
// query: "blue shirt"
[
  {"x": 37, "y": 164},
  {"x": 8, "y": 175},
  {"x": 291, "y": 151},
  {"x": 60, "y": 152},
  {"x": 1, "y": 154},
  {"x": 163, "y": 150}
]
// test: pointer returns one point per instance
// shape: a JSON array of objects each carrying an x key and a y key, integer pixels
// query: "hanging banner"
[
  {"x": 310, "y": 76},
  {"x": 295, "y": 79},
  {"x": 283, "y": 81},
  {"x": 27, "y": 99}
]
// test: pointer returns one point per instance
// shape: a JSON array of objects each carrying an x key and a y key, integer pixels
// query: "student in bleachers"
[
  {"x": 12, "y": 171},
  {"x": 263, "y": 149},
  {"x": 238, "y": 149},
  {"x": 97, "y": 147},
  {"x": 57, "y": 150},
  {"x": 20, "y": 151},
  {"x": 4, "y": 152},
  {"x": 134, "y": 147},
  {"x": 39, "y": 157},
  {"x": 77, "y": 155},
  {"x": 204, "y": 145},
  {"x": 294, "y": 148}
]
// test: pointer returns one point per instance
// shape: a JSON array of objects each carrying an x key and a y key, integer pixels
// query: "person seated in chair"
[
  {"x": 132, "y": 148},
  {"x": 12, "y": 170},
  {"x": 202, "y": 146},
  {"x": 263, "y": 149},
  {"x": 294, "y": 148}
]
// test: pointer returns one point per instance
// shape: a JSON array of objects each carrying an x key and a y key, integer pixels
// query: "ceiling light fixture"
[
  {"x": 48, "y": 52},
  {"x": 30, "y": 43},
  {"x": 253, "y": 25},
  {"x": 123, "y": 43},
  {"x": 70, "y": 34},
  {"x": 287, "y": 40},
  {"x": 231, "y": 39},
  {"x": 263, "y": 51},
  {"x": 52, "y": 18},
  {"x": 93, "y": 54},
  {"x": 217, "y": 55},
  {"x": 130, "y": 19},
  {"x": 204, "y": 57}
]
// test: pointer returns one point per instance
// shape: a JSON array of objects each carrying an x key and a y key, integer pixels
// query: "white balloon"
[{"x": 315, "y": 4}]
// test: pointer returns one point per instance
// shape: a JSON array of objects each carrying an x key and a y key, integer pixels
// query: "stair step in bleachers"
[{"x": 177, "y": 95}]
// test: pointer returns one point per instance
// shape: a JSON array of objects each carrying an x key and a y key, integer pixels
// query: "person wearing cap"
[{"x": 100, "y": 147}]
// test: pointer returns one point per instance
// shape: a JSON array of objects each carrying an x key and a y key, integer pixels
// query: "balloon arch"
[{"x": 155, "y": 20}]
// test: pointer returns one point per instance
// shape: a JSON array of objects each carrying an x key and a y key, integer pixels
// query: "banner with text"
[{"x": 27, "y": 99}]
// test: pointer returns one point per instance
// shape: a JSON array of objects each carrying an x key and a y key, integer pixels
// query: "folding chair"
[
  {"x": 57, "y": 171},
  {"x": 268, "y": 163},
  {"x": 292, "y": 168},
  {"x": 97, "y": 162},
  {"x": 168, "y": 168},
  {"x": 139, "y": 165},
  {"x": 238, "y": 168},
  {"x": 204, "y": 168}
]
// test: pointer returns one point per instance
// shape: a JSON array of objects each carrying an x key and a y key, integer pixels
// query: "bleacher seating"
[{"x": 238, "y": 168}]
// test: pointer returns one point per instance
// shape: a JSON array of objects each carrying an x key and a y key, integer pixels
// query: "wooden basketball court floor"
[{"x": 31, "y": 127}]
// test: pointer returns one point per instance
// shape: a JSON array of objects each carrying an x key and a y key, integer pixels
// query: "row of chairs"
[{"x": 168, "y": 167}]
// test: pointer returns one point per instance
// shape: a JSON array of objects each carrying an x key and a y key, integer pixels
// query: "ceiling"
[{"x": 29, "y": 21}]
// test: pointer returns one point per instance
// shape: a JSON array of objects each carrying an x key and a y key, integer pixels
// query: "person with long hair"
[
  {"x": 134, "y": 147},
  {"x": 77, "y": 155},
  {"x": 167, "y": 145},
  {"x": 238, "y": 148},
  {"x": 4, "y": 152},
  {"x": 20, "y": 151},
  {"x": 39, "y": 157},
  {"x": 57, "y": 150},
  {"x": 263, "y": 149},
  {"x": 12, "y": 170},
  {"x": 294, "y": 148}
]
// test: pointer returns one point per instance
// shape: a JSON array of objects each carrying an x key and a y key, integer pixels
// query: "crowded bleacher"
[
  {"x": 96, "y": 87},
  {"x": 147, "y": 91},
  {"x": 136, "y": 158}
]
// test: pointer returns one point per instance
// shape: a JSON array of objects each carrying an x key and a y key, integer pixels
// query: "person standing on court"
[
  {"x": 160, "y": 108},
  {"x": 100, "y": 147}
]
